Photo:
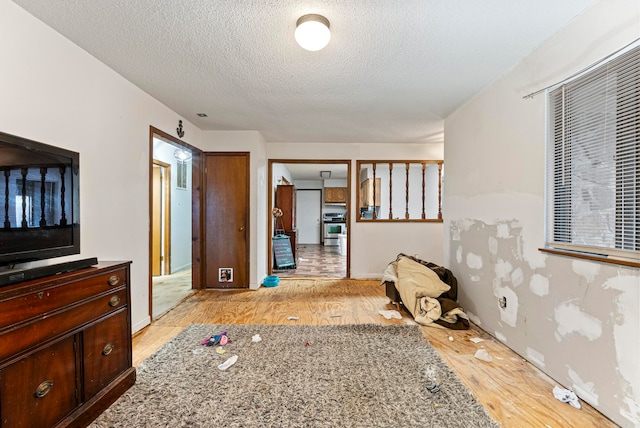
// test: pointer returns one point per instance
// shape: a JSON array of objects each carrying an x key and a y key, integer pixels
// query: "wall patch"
[
  {"x": 474, "y": 261},
  {"x": 539, "y": 285},
  {"x": 571, "y": 319}
]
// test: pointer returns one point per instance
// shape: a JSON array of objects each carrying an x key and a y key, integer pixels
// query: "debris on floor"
[
  {"x": 217, "y": 339},
  {"x": 292, "y": 318},
  {"x": 231, "y": 361},
  {"x": 483, "y": 355},
  {"x": 476, "y": 339},
  {"x": 566, "y": 396},
  {"x": 256, "y": 338},
  {"x": 433, "y": 379},
  {"x": 388, "y": 314}
]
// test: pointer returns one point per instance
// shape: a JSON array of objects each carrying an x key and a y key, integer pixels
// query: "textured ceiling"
[{"x": 392, "y": 71}]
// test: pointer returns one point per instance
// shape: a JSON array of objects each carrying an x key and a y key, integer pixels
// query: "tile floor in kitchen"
[{"x": 316, "y": 260}]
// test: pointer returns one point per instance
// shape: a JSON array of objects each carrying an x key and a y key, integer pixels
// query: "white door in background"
[{"x": 308, "y": 215}]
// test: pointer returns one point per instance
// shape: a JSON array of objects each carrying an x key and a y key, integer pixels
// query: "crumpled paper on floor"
[
  {"x": 483, "y": 355},
  {"x": 566, "y": 396},
  {"x": 388, "y": 314}
]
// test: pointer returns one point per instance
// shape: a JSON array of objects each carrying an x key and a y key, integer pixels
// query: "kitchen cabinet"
[
  {"x": 66, "y": 346},
  {"x": 335, "y": 195},
  {"x": 366, "y": 193},
  {"x": 286, "y": 201}
]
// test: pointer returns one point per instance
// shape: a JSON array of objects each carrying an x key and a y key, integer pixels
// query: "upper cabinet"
[
  {"x": 335, "y": 195},
  {"x": 367, "y": 193}
]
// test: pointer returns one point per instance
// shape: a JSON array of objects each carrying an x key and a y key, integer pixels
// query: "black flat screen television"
[{"x": 39, "y": 201}]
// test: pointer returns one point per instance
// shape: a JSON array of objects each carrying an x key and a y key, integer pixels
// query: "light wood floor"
[{"x": 514, "y": 392}]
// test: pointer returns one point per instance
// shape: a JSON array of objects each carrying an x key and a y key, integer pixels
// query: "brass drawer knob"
[
  {"x": 114, "y": 280},
  {"x": 108, "y": 348},
  {"x": 114, "y": 301},
  {"x": 43, "y": 389}
]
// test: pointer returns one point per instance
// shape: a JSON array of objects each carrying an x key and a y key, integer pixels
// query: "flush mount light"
[
  {"x": 312, "y": 32},
  {"x": 182, "y": 155}
]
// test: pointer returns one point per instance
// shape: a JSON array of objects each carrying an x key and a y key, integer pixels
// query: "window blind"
[{"x": 593, "y": 159}]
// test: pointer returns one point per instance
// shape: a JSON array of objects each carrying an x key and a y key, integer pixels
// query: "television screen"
[{"x": 39, "y": 201}]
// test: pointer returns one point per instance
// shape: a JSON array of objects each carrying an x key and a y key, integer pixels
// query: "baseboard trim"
[{"x": 141, "y": 324}]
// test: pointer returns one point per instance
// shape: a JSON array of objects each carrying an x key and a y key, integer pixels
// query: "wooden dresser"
[{"x": 65, "y": 346}]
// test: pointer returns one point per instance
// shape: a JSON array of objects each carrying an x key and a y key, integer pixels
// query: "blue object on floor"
[{"x": 271, "y": 281}]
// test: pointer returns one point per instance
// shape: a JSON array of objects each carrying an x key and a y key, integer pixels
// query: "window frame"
[
  {"x": 384, "y": 218},
  {"x": 182, "y": 181},
  {"x": 625, "y": 121}
]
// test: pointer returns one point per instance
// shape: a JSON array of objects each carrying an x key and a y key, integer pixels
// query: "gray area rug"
[{"x": 297, "y": 376}]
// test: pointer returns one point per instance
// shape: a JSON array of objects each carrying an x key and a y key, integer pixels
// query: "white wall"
[
  {"x": 56, "y": 93},
  {"x": 374, "y": 245},
  {"x": 576, "y": 320}
]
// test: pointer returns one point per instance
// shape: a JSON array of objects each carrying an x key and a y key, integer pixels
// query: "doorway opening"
[
  {"x": 170, "y": 276},
  {"x": 312, "y": 194}
]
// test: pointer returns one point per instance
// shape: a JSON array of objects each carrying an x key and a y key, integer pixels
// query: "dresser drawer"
[
  {"x": 35, "y": 301},
  {"x": 106, "y": 347},
  {"x": 40, "y": 389},
  {"x": 20, "y": 337}
]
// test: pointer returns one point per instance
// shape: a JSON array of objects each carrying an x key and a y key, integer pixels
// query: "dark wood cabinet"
[
  {"x": 65, "y": 346},
  {"x": 40, "y": 389},
  {"x": 286, "y": 201}
]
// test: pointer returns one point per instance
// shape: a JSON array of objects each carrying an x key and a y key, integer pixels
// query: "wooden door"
[{"x": 226, "y": 220}]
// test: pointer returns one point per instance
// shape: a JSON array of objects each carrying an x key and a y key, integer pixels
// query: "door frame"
[
  {"x": 196, "y": 214},
  {"x": 165, "y": 216},
  {"x": 271, "y": 202}
]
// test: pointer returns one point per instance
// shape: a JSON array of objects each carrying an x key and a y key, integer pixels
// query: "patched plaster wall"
[
  {"x": 576, "y": 320},
  {"x": 565, "y": 317}
]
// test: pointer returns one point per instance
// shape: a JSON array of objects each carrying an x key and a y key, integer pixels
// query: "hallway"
[
  {"x": 169, "y": 291},
  {"x": 316, "y": 260}
]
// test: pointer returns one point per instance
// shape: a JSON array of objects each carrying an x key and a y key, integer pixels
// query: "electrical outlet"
[{"x": 503, "y": 302}]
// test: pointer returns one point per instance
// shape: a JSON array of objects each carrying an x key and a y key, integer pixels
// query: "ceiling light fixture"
[
  {"x": 182, "y": 155},
  {"x": 325, "y": 174},
  {"x": 312, "y": 32}
]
